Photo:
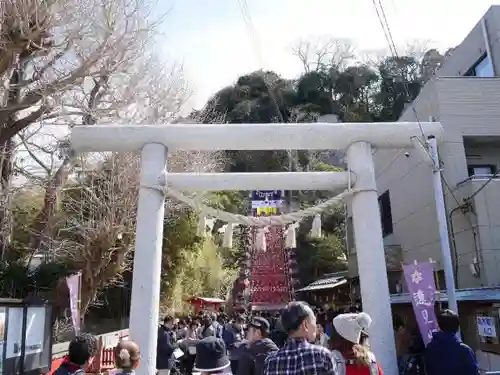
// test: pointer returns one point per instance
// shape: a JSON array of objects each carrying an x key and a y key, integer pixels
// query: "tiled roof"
[{"x": 324, "y": 283}]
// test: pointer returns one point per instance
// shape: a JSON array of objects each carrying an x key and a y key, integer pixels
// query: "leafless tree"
[
  {"x": 322, "y": 53},
  {"x": 58, "y": 63},
  {"x": 96, "y": 226}
]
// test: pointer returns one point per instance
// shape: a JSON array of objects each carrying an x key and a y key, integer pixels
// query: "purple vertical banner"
[
  {"x": 420, "y": 281},
  {"x": 73, "y": 283}
]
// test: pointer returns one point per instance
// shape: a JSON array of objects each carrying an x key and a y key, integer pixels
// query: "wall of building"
[
  {"x": 473, "y": 47},
  {"x": 409, "y": 181},
  {"x": 462, "y": 105},
  {"x": 487, "y": 214},
  {"x": 469, "y": 106}
]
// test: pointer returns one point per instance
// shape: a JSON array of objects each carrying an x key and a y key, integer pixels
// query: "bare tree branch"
[{"x": 323, "y": 53}]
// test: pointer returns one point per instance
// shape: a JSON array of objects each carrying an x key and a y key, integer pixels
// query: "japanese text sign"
[
  {"x": 420, "y": 281},
  {"x": 266, "y": 202},
  {"x": 486, "y": 326}
]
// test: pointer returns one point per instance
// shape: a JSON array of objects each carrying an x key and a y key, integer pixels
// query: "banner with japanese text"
[
  {"x": 422, "y": 288},
  {"x": 266, "y": 202},
  {"x": 74, "y": 283}
]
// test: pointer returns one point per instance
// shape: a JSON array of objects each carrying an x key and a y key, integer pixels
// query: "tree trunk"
[
  {"x": 5, "y": 196},
  {"x": 6, "y": 161},
  {"x": 42, "y": 227},
  {"x": 42, "y": 233}
]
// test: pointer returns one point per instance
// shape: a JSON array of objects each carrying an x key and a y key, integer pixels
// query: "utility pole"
[{"x": 442, "y": 224}]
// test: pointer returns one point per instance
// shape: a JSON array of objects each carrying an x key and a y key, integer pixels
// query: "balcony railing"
[{"x": 479, "y": 177}]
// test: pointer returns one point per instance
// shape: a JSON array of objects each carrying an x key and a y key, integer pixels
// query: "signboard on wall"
[
  {"x": 267, "y": 202},
  {"x": 486, "y": 326},
  {"x": 35, "y": 331}
]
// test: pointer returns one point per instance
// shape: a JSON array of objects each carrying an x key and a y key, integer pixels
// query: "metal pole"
[
  {"x": 371, "y": 256},
  {"x": 442, "y": 224},
  {"x": 145, "y": 305}
]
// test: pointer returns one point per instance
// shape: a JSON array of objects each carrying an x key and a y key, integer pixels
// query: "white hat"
[{"x": 350, "y": 326}]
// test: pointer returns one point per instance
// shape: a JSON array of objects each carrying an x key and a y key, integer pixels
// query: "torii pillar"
[{"x": 370, "y": 252}]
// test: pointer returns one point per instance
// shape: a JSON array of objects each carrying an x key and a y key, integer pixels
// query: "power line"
[
  {"x": 482, "y": 186},
  {"x": 385, "y": 26},
  {"x": 381, "y": 15},
  {"x": 247, "y": 18}
]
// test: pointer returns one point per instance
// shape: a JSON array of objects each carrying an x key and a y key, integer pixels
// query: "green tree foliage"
[
  {"x": 18, "y": 280},
  {"x": 180, "y": 242},
  {"x": 358, "y": 92},
  {"x": 318, "y": 256},
  {"x": 203, "y": 274}
]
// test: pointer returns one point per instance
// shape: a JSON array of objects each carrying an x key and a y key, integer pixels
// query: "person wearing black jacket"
[
  {"x": 278, "y": 334},
  {"x": 165, "y": 359},
  {"x": 258, "y": 348}
]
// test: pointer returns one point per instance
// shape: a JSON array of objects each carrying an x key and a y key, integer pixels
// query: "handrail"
[{"x": 476, "y": 177}]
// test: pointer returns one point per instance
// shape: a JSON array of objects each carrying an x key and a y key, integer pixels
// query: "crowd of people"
[{"x": 297, "y": 341}]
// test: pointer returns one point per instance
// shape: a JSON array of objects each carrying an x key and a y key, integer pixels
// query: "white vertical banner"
[{"x": 74, "y": 286}]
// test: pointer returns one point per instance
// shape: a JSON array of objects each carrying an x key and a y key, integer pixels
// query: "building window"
[
  {"x": 481, "y": 170},
  {"x": 482, "y": 68},
  {"x": 384, "y": 203}
]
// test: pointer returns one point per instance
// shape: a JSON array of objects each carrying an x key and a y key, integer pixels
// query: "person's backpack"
[{"x": 342, "y": 367}]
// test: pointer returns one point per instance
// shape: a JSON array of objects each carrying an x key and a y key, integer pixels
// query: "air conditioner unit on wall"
[{"x": 474, "y": 268}]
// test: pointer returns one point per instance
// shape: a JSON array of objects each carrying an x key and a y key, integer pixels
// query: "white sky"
[{"x": 211, "y": 38}]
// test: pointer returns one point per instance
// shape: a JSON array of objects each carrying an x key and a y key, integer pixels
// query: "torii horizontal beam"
[
  {"x": 211, "y": 137},
  {"x": 259, "y": 181}
]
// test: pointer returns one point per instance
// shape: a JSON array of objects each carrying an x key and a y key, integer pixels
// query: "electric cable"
[
  {"x": 492, "y": 177},
  {"x": 247, "y": 18}
]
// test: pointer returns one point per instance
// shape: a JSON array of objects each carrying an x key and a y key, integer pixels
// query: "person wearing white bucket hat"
[{"x": 349, "y": 345}]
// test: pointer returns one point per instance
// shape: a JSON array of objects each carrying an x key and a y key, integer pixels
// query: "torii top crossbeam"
[{"x": 210, "y": 137}]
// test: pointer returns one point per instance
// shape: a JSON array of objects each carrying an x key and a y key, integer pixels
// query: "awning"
[
  {"x": 326, "y": 283},
  {"x": 267, "y": 307},
  {"x": 463, "y": 295},
  {"x": 206, "y": 300}
]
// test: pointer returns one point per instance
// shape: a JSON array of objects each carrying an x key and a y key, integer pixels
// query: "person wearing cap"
[
  {"x": 211, "y": 357},
  {"x": 298, "y": 356},
  {"x": 258, "y": 348},
  {"x": 349, "y": 345}
]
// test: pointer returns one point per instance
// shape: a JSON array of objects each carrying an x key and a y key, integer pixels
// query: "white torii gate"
[{"x": 154, "y": 142}]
